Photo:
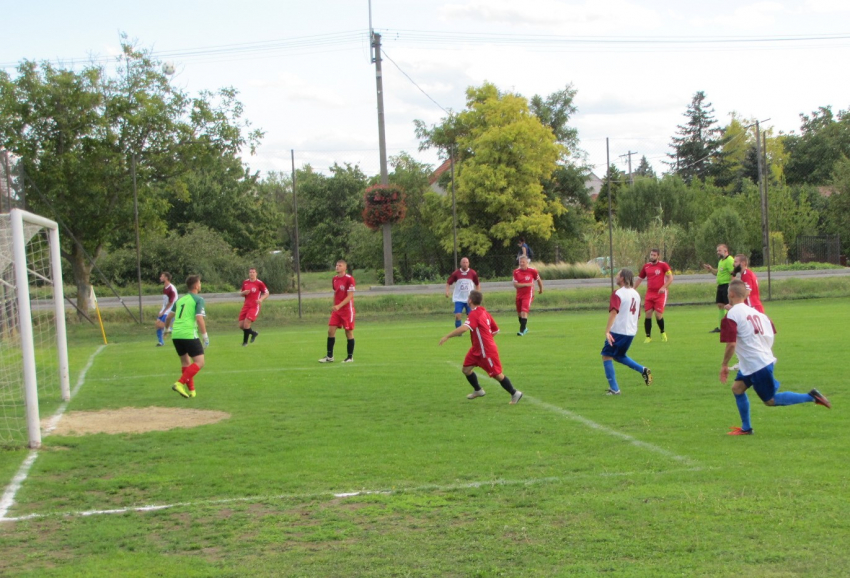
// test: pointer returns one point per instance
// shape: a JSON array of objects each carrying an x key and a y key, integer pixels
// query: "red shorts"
[
  {"x": 655, "y": 301},
  {"x": 343, "y": 318},
  {"x": 250, "y": 311},
  {"x": 523, "y": 304},
  {"x": 491, "y": 364}
]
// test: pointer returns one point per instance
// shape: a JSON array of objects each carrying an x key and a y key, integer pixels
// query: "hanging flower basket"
[{"x": 384, "y": 204}]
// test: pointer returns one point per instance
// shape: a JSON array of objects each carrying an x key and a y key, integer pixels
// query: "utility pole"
[
  {"x": 631, "y": 176},
  {"x": 765, "y": 232},
  {"x": 382, "y": 145},
  {"x": 454, "y": 202}
]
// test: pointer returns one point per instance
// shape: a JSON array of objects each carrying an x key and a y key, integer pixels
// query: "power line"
[
  {"x": 384, "y": 52},
  {"x": 346, "y": 40}
]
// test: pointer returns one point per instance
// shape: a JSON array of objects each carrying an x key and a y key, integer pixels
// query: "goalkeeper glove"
[{"x": 206, "y": 340}]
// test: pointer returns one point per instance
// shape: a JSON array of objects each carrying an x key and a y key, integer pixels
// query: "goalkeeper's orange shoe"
[
  {"x": 178, "y": 387},
  {"x": 736, "y": 431}
]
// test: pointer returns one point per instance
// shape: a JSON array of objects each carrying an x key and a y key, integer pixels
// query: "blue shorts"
[
  {"x": 620, "y": 347},
  {"x": 762, "y": 382},
  {"x": 461, "y": 306}
]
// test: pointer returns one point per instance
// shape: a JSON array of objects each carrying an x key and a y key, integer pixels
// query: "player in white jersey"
[
  {"x": 750, "y": 334},
  {"x": 464, "y": 280},
  {"x": 623, "y": 315}
]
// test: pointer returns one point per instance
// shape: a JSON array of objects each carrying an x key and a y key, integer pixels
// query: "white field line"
[
  {"x": 8, "y": 499},
  {"x": 599, "y": 427},
  {"x": 350, "y": 494}
]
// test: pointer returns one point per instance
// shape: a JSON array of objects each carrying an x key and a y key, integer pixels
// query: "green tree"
[
  {"x": 698, "y": 145},
  {"x": 823, "y": 140},
  {"x": 614, "y": 181},
  {"x": 505, "y": 153},
  {"x": 78, "y": 134},
  {"x": 837, "y": 213},
  {"x": 644, "y": 169},
  {"x": 725, "y": 226},
  {"x": 328, "y": 209},
  {"x": 555, "y": 112}
]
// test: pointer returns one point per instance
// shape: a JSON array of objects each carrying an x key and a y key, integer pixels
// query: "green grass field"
[{"x": 569, "y": 482}]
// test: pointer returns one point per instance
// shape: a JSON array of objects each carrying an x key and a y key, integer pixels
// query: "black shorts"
[
  {"x": 190, "y": 347},
  {"x": 722, "y": 294}
]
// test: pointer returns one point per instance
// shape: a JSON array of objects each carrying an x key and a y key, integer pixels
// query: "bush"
[
  {"x": 396, "y": 276},
  {"x": 275, "y": 269},
  {"x": 423, "y": 272},
  {"x": 200, "y": 251},
  {"x": 724, "y": 226}
]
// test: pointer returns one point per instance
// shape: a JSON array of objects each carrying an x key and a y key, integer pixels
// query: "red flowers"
[{"x": 384, "y": 204}]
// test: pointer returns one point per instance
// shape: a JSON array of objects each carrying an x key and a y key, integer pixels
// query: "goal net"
[{"x": 33, "y": 348}]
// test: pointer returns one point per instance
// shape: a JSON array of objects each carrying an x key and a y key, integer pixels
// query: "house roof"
[{"x": 438, "y": 172}]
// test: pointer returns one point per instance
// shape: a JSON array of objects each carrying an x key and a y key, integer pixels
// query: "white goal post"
[{"x": 33, "y": 343}]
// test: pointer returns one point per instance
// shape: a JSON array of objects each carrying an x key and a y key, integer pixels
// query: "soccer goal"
[{"x": 33, "y": 347}]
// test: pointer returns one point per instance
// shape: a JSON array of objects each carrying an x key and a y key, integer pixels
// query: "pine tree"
[
  {"x": 644, "y": 169},
  {"x": 698, "y": 144}
]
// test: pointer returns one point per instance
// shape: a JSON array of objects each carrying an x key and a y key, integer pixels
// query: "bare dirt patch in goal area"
[{"x": 133, "y": 420}]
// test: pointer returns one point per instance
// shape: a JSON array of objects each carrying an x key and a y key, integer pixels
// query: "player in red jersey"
[
  {"x": 742, "y": 271},
  {"x": 524, "y": 279},
  {"x": 658, "y": 277},
  {"x": 255, "y": 292},
  {"x": 169, "y": 296},
  {"x": 483, "y": 353},
  {"x": 342, "y": 312}
]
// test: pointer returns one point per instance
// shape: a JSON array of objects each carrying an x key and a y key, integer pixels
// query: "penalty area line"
[
  {"x": 8, "y": 498},
  {"x": 352, "y": 494}
]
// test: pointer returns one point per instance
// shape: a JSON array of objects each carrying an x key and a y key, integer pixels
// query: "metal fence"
[{"x": 820, "y": 249}]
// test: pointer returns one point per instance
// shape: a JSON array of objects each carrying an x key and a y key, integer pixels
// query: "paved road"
[{"x": 154, "y": 300}]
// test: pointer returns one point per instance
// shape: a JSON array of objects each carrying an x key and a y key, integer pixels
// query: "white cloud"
[
  {"x": 827, "y": 6},
  {"x": 759, "y": 15},
  {"x": 574, "y": 18},
  {"x": 295, "y": 89}
]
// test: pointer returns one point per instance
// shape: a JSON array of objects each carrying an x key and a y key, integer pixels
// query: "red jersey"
[
  {"x": 256, "y": 288},
  {"x": 342, "y": 286},
  {"x": 655, "y": 275},
  {"x": 483, "y": 328},
  {"x": 528, "y": 275},
  {"x": 752, "y": 283}
]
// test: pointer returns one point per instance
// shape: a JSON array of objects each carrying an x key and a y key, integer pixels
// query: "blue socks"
[
  {"x": 791, "y": 398},
  {"x": 630, "y": 363},
  {"x": 457, "y": 323},
  {"x": 609, "y": 374},
  {"x": 744, "y": 409}
]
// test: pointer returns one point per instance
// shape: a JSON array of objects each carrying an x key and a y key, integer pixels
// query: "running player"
[
  {"x": 342, "y": 312},
  {"x": 464, "y": 280},
  {"x": 624, "y": 311},
  {"x": 524, "y": 278},
  {"x": 169, "y": 296},
  {"x": 189, "y": 328},
  {"x": 483, "y": 353},
  {"x": 750, "y": 334},
  {"x": 658, "y": 277},
  {"x": 255, "y": 292}
]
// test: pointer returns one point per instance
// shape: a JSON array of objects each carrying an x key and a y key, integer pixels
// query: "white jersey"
[
  {"x": 752, "y": 333},
  {"x": 464, "y": 282},
  {"x": 626, "y": 301}
]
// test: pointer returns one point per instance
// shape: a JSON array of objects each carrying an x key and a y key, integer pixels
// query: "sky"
[{"x": 305, "y": 75}]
